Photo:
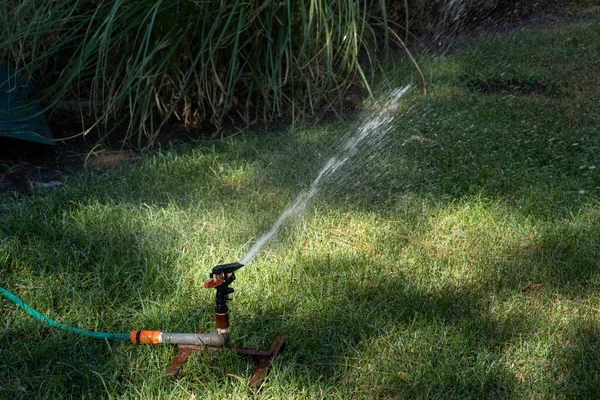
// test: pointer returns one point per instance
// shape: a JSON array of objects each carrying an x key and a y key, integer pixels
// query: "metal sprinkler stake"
[{"x": 220, "y": 278}]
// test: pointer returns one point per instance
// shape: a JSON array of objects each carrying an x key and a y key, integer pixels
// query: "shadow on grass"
[
  {"x": 564, "y": 260},
  {"x": 38, "y": 364},
  {"x": 579, "y": 362},
  {"x": 417, "y": 342}
]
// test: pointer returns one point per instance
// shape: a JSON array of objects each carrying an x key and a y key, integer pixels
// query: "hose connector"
[{"x": 145, "y": 337}]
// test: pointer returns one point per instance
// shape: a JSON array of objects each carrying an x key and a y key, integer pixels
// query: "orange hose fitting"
[{"x": 145, "y": 337}]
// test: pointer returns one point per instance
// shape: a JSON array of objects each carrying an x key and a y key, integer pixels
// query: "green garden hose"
[
  {"x": 96, "y": 335},
  {"x": 154, "y": 337}
]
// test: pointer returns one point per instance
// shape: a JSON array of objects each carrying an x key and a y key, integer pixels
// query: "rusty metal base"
[{"x": 262, "y": 358}]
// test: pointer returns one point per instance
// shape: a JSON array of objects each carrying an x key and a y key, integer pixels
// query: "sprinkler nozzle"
[
  {"x": 227, "y": 268},
  {"x": 221, "y": 273}
]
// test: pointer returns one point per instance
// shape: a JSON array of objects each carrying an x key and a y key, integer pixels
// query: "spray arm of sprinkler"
[{"x": 221, "y": 274}]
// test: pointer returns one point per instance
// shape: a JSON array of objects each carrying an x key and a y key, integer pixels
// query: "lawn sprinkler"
[{"x": 221, "y": 278}]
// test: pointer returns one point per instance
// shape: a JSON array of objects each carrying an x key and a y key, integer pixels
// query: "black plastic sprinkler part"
[
  {"x": 226, "y": 273},
  {"x": 226, "y": 268}
]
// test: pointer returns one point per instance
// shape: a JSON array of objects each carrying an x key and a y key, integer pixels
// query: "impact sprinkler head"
[{"x": 220, "y": 278}]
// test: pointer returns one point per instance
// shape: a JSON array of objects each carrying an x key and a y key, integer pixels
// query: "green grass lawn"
[{"x": 461, "y": 260}]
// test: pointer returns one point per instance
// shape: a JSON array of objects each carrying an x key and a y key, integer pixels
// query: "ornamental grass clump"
[{"x": 142, "y": 63}]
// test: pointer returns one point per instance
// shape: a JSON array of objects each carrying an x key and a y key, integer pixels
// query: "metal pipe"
[{"x": 214, "y": 339}]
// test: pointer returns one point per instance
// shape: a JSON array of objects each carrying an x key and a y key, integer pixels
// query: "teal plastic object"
[
  {"x": 19, "y": 118},
  {"x": 83, "y": 332}
]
